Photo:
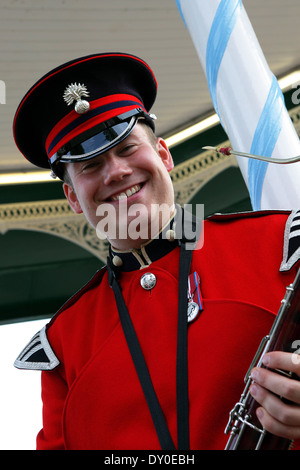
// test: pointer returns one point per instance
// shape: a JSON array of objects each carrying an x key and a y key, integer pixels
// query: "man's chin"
[
  {"x": 132, "y": 230},
  {"x": 132, "y": 227}
]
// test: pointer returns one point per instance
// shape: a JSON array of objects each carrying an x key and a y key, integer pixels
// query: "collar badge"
[{"x": 75, "y": 92}]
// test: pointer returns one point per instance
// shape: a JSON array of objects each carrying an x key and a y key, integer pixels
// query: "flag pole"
[{"x": 247, "y": 99}]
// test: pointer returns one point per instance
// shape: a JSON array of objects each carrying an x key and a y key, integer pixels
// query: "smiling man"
[
  {"x": 152, "y": 352},
  {"x": 129, "y": 178}
]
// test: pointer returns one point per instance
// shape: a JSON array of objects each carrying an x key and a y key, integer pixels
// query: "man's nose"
[{"x": 116, "y": 168}]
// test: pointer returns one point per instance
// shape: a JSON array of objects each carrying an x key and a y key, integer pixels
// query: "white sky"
[{"x": 20, "y": 390}]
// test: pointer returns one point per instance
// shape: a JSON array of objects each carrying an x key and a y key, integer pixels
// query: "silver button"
[
  {"x": 148, "y": 281},
  {"x": 117, "y": 261},
  {"x": 170, "y": 235}
]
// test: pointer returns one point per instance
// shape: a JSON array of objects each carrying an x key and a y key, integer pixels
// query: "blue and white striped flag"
[{"x": 247, "y": 99}]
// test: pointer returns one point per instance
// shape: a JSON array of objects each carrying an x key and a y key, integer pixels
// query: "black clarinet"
[{"x": 246, "y": 432}]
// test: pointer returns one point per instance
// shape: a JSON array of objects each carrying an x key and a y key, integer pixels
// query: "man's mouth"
[{"x": 127, "y": 193}]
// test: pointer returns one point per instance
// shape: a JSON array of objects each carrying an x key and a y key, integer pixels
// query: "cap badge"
[{"x": 75, "y": 92}]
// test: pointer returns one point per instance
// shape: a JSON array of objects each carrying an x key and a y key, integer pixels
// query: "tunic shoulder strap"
[{"x": 38, "y": 354}]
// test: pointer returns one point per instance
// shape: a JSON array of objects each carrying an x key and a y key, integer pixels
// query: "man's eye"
[
  {"x": 90, "y": 166},
  {"x": 127, "y": 149}
]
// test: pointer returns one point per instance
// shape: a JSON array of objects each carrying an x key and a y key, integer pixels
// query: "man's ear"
[
  {"x": 72, "y": 198},
  {"x": 165, "y": 154}
]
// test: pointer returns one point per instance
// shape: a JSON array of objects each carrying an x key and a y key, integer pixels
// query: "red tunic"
[{"x": 93, "y": 399}]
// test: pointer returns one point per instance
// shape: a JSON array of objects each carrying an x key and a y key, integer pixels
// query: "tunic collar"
[
  {"x": 183, "y": 227},
  {"x": 149, "y": 252}
]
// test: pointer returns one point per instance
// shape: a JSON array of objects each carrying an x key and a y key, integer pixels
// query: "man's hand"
[{"x": 276, "y": 416}]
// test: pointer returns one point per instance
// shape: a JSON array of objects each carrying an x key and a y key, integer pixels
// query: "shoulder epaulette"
[
  {"x": 291, "y": 243},
  {"x": 93, "y": 282},
  {"x": 219, "y": 217},
  {"x": 291, "y": 240},
  {"x": 38, "y": 354}
]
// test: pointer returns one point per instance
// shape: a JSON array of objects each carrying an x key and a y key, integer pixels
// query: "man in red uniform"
[{"x": 152, "y": 352}]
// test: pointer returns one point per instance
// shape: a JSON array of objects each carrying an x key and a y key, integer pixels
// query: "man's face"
[{"x": 131, "y": 183}]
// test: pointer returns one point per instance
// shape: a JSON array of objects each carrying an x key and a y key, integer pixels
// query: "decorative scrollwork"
[
  {"x": 56, "y": 218},
  {"x": 190, "y": 176}
]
